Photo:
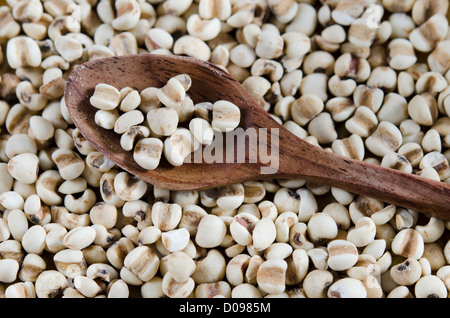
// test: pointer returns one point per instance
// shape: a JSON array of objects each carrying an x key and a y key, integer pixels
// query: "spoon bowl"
[
  {"x": 295, "y": 158},
  {"x": 209, "y": 83}
]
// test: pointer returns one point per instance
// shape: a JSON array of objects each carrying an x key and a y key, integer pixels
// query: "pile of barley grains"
[
  {"x": 365, "y": 79},
  {"x": 163, "y": 109}
]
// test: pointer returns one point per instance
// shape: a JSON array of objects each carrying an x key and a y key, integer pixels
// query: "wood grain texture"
[{"x": 297, "y": 158}]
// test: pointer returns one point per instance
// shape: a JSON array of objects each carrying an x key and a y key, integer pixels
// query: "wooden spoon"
[{"x": 297, "y": 158}]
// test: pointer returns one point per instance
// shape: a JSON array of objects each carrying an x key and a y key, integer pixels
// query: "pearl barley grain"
[
  {"x": 347, "y": 288},
  {"x": 226, "y": 116},
  {"x": 23, "y": 51},
  {"x": 317, "y": 282},
  {"x": 263, "y": 234},
  {"x": 430, "y": 286},
  {"x": 147, "y": 153},
  {"x": 163, "y": 121},
  {"x": 79, "y": 237},
  {"x": 408, "y": 243},
  {"x": 322, "y": 227},
  {"x": 17, "y": 223},
  {"x": 175, "y": 240},
  {"x": 407, "y": 272},
  {"x": 105, "y": 97},
  {"x": 142, "y": 262},
  {"x": 211, "y": 231},
  {"x": 33, "y": 240},
  {"x": 24, "y": 167},
  {"x": 363, "y": 233},
  {"x": 8, "y": 269},
  {"x": 271, "y": 276},
  {"x": 342, "y": 254}
]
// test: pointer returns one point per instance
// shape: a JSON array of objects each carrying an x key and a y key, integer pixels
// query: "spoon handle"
[{"x": 387, "y": 185}]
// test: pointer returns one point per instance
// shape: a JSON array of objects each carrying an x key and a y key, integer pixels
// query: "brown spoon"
[{"x": 297, "y": 158}]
